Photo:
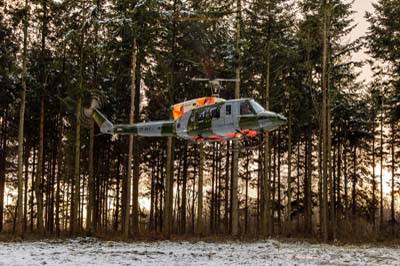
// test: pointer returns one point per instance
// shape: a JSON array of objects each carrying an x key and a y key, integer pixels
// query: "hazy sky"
[{"x": 361, "y": 6}]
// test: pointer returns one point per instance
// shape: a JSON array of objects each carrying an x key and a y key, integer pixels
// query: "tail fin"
[{"x": 104, "y": 124}]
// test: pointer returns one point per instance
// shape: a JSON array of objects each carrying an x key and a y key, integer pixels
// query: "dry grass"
[{"x": 355, "y": 232}]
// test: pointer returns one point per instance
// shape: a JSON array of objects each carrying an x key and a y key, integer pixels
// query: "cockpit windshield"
[{"x": 257, "y": 107}]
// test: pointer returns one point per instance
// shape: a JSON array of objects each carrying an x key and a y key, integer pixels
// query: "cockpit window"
[
  {"x": 245, "y": 108},
  {"x": 257, "y": 107},
  {"x": 201, "y": 115}
]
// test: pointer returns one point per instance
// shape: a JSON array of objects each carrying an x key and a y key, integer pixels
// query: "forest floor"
[{"x": 90, "y": 251}]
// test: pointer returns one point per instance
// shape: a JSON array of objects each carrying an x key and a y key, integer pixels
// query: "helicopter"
[{"x": 205, "y": 119}]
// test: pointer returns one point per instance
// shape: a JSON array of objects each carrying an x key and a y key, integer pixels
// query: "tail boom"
[{"x": 150, "y": 129}]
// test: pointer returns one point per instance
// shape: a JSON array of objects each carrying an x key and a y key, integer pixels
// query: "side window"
[
  {"x": 228, "y": 109},
  {"x": 215, "y": 112},
  {"x": 245, "y": 108}
]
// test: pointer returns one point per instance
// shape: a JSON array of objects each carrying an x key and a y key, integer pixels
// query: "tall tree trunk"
[
  {"x": 354, "y": 186},
  {"x": 199, "y": 225},
  {"x": 346, "y": 178},
  {"x": 3, "y": 156},
  {"x": 193, "y": 202},
  {"x": 381, "y": 168},
  {"x": 219, "y": 186},
  {"x": 52, "y": 179},
  {"x": 135, "y": 188},
  {"x": 161, "y": 196},
  {"x": 260, "y": 187},
  {"x": 136, "y": 151},
  {"x": 21, "y": 124},
  {"x": 177, "y": 204},
  {"x": 59, "y": 174},
  {"x": 373, "y": 171},
  {"x": 90, "y": 189},
  {"x": 38, "y": 181},
  {"x": 235, "y": 158},
  {"x": 212, "y": 203},
  {"x": 393, "y": 169},
  {"x": 27, "y": 155},
  {"x": 226, "y": 198},
  {"x": 267, "y": 224},
  {"x": 33, "y": 174},
  {"x": 39, "y": 174},
  {"x": 75, "y": 202},
  {"x": 125, "y": 220},
  {"x": 289, "y": 178},
  {"x": 331, "y": 181},
  {"x": 298, "y": 187},
  {"x": 168, "y": 197},
  {"x": 184, "y": 185},
  {"x": 320, "y": 196},
  {"x": 338, "y": 180},
  {"x": 117, "y": 199},
  {"x": 325, "y": 149},
  {"x": 152, "y": 193},
  {"x": 246, "y": 208},
  {"x": 74, "y": 222},
  {"x": 169, "y": 180},
  {"x": 90, "y": 185},
  {"x": 156, "y": 189},
  {"x": 331, "y": 224},
  {"x": 308, "y": 181},
  {"x": 308, "y": 203},
  {"x": 273, "y": 177},
  {"x": 95, "y": 215},
  {"x": 279, "y": 183}
]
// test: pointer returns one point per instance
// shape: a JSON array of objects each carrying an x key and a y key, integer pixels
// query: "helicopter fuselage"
[
  {"x": 222, "y": 120},
  {"x": 227, "y": 120}
]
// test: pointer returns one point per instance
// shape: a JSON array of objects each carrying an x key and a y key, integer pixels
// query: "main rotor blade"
[
  {"x": 200, "y": 79},
  {"x": 218, "y": 79},
  {"x": 227, "y": 80}
]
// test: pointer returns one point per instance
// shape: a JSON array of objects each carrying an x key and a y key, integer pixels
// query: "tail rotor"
[{"x": 96, "y": 101}]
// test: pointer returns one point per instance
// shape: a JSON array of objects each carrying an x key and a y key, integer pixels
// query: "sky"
[{"x": 360, "y": 7}]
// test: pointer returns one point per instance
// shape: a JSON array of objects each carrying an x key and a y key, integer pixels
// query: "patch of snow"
[{"x": 89, "y": 251}]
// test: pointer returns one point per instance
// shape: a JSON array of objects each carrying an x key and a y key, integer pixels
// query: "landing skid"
[{"x": 241, "y": 147}]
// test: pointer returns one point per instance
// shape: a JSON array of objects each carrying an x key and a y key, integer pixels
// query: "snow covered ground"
[{"x": 89, "y": 251}]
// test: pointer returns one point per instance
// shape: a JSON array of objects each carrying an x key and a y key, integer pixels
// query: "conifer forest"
[{"x": 330, "y": 173}]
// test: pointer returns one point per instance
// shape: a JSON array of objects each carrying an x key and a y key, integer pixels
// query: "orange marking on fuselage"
[
  {"x": 197, "y": 138},
  {"x": 230, "y": 135},
  {"x": 249, "y": 133}
]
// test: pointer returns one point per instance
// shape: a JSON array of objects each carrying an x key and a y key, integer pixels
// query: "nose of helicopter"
[
  {"x": 270, "y": 120},
  {"x": 281, "y": 119}
]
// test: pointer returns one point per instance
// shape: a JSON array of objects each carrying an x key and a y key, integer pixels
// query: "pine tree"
[{"x": 382, "y": 42}]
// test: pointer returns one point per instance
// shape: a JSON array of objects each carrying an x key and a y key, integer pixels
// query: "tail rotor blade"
[{"x": 95, "y": 101}]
